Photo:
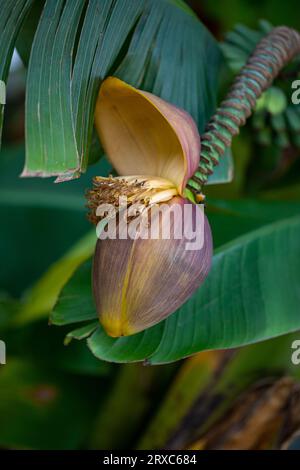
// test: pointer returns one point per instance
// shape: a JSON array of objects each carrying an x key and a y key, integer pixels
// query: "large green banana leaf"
[
  {"x": 70, "y": 46},
  {"x": 251, "y": 294}
]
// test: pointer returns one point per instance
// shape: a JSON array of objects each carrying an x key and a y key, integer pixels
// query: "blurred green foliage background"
[{"x": 56, "y": 396}]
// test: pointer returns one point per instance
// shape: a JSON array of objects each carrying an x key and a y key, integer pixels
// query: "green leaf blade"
[
  {"x": 144, "y": 42},
  {"x": 251, "y": 294},
  {"x": 12, "y": 16}
]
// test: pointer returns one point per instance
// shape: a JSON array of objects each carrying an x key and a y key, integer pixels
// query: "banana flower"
[{"x": 154, "y": 147}]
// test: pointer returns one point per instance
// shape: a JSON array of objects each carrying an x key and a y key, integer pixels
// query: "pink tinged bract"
[
  {"x": 144, "y": 135},
  {"x": 139, "y": 282}
]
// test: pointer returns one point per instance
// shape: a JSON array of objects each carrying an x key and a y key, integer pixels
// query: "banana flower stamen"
[{"x": 142, "y": 190}]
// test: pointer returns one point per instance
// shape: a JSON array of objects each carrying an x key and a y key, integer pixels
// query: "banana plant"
[
  {"x": 148, "y": 121},
  {"x": 123, "y": 100}
]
